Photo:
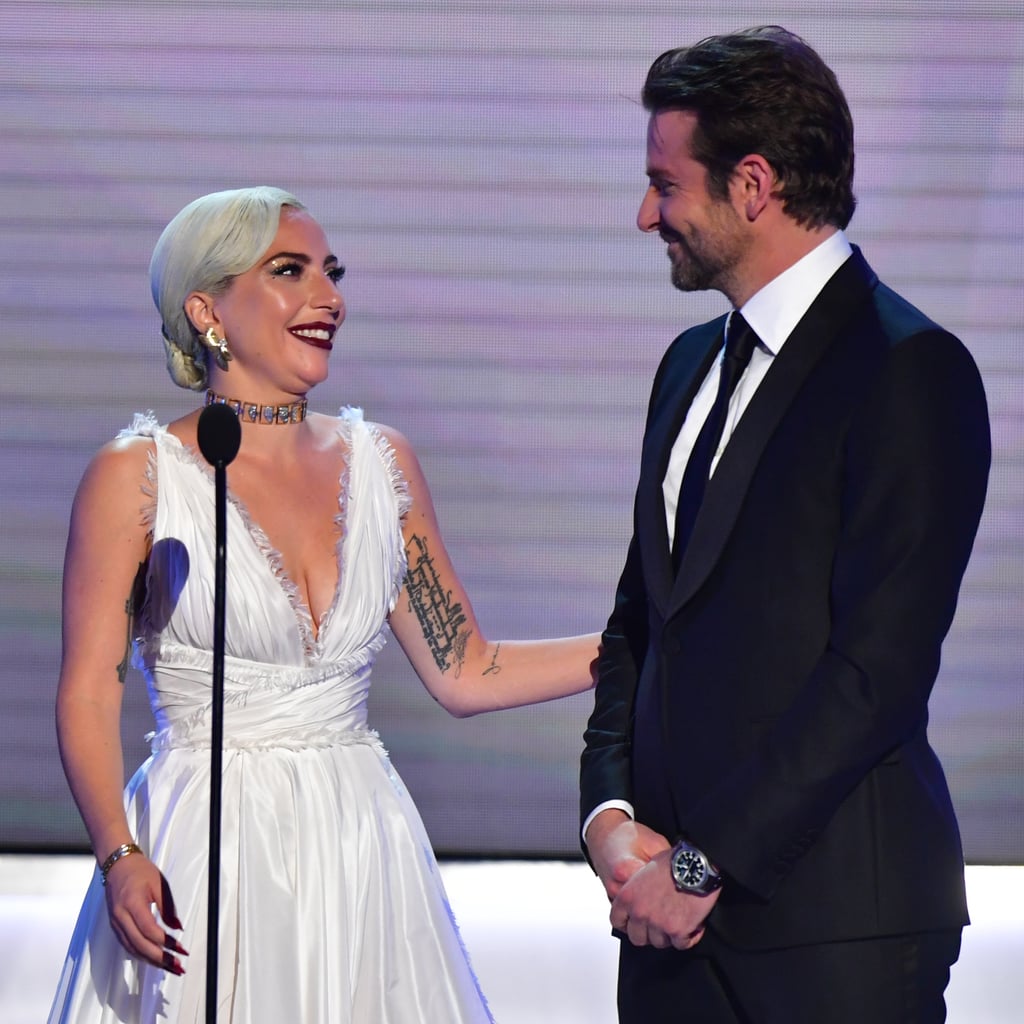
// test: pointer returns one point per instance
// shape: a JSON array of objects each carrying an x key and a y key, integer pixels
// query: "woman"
[{"x": 332, "y": 909}]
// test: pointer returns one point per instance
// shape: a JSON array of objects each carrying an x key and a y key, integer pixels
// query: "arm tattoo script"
[
  {"x": 131, "y": 607},
  {"x": 494, "y": 668},
  {"x": 439, "y": 618}
]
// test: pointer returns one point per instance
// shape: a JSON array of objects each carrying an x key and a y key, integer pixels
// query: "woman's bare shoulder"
[{"x": 116, "y": 480}]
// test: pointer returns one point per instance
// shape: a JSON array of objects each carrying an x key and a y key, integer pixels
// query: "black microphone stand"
[{"x": 219, "y": 435}]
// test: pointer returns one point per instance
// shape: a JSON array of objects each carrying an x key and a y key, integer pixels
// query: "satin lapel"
[
  {"x": 832, "y": 312},
  {"x": 686, "y": 366}
]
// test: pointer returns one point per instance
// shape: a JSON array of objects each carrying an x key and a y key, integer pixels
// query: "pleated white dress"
[{"x": 332, "y": 907}]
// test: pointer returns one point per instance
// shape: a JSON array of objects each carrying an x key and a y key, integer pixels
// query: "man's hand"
[
  {"x": 652, "y": 912},
  {"x": 619, "y": 847}
]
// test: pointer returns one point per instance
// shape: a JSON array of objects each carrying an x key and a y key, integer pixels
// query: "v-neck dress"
[{"x": 332, "y": 908}]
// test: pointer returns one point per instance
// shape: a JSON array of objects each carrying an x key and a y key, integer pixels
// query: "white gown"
[{"x": 332, "y": 907}]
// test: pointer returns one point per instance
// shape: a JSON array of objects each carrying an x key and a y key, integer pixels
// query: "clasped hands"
[{"x": 632, "y": 862}]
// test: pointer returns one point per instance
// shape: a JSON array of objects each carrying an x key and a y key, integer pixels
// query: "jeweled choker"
[{"x": 251, "y": 412}]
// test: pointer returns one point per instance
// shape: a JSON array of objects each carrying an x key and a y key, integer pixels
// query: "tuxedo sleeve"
[
  {"x": 605, "y": 765},
  {"x": 605, "y": 771},
  {"x": 915, "y": 464}
]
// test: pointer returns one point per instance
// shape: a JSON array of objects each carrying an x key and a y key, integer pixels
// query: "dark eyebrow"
[{"x": 299, "y": 257}]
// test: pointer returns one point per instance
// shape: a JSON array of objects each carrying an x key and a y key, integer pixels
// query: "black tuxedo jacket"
[{"x": 770, "y": 702}]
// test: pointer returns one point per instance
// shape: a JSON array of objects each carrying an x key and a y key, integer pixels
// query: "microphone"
[{"x": 219, "y": 434}]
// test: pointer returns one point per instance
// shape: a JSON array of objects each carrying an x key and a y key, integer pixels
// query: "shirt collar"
[{"x": 779, "y": 306}]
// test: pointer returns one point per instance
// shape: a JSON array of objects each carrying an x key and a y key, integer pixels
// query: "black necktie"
[{"x": 739, "y": 345}]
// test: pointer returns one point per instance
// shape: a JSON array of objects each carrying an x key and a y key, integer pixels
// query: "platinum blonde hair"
[{"x": 203, "y": 249}]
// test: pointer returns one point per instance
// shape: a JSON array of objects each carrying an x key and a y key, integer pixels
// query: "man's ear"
[
  {"x": 753, "y": 185},
  {"x": 199, "y": 309}
]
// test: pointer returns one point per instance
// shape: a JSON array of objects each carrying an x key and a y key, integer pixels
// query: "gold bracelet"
[{"x": 122, "y": 851}]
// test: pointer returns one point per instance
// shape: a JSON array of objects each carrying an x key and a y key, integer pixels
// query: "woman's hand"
[{"x": 134, "y": 885}]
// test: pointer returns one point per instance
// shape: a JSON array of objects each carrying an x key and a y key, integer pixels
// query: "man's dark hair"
[{"x": 764, "y": 90}]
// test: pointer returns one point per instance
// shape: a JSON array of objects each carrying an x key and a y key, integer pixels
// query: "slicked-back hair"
[
  {"x": 764, "y": 90},
  {"x": 204, "y": 248}
]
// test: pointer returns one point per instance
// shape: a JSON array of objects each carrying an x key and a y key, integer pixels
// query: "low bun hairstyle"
[{"x": 209, "y": 243}]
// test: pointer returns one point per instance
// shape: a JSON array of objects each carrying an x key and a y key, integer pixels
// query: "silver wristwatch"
[{"x": 692, "y": 872}]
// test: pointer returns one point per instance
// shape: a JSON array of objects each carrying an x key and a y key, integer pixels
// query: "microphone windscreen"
[{"x": 219, "y": 434}]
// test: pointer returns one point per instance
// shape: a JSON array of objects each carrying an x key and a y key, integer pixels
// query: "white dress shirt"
[{"x": 772, "y": 313}]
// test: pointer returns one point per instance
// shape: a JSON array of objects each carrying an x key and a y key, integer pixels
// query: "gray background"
[{"x": 478, "y": 167}]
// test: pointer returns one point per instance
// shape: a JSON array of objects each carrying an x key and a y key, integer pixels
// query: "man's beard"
[
  {"x": 698, "y": 270},
  {"x": 705, "y": 261},
  {"x": 690, "y": 273}
]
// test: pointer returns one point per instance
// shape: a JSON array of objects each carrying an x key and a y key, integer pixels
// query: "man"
[{"x": 758, "y": 792}]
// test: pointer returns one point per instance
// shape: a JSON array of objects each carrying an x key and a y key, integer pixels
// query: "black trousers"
[{"x": 893, "y": 980}]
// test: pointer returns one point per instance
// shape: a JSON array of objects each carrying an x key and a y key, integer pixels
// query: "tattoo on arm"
[
  {"x": 440, "y": 619},
  {"x": 494, "y": 668},
  {"x": 132, "y": 606}
]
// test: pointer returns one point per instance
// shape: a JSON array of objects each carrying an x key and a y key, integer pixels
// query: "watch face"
[
  {"x": 690, "y": 869},
  {"x": 692, "y": 872}
]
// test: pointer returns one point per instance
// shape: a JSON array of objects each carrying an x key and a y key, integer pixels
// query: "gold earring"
[{"x": 218, "y": 346}]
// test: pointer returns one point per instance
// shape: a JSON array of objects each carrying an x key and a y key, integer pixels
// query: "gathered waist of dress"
[{"x": 265, "y": 706}]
